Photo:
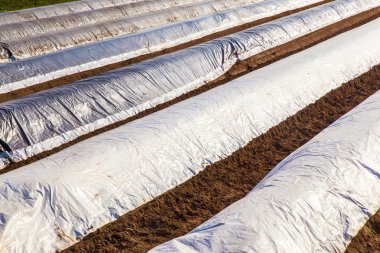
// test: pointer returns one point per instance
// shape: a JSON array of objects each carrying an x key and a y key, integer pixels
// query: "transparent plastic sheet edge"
[
  {"x": 48, "y": 119},
  {"x": 87, "y": 185}
]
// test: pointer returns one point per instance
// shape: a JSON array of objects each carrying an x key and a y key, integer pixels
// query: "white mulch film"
[
  {"x": 61, "y": 23},
  {"x": 58, "y": 23},
  {"x": 316, "y": 200},
  {"x": 93, "y": 182},
  {"x": 205, "y": 17},
  {"x": 48, "y": 119}
]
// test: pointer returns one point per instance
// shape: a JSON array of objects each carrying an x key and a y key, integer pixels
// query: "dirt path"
[
  {"x": 222, "y": 183},
  {"x": 75, "y": 77},
  {"x": 236, "y": 71}
]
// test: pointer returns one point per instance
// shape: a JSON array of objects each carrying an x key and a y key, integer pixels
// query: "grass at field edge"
[{"x": 12, "y": 5}]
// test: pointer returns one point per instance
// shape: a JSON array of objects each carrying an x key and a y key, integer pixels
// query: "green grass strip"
[{"x": 12, "y": 5}]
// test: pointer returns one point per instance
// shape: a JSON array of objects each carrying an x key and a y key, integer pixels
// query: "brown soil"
[
  {"x": 236, "y": 71},
  {"x": 185, "y": 207},
  {"x": 75, "y": 77},
  {"x": 368, "y": 239}
]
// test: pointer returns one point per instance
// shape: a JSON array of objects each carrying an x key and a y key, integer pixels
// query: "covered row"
[
  {"x": 48, "y": 119},
  {"x": 45, "y": 43},
  {"x": 316, "y": 200},
  {"x": 44, "y": 68},
  {"x": 58, "y": 10},
  {"x": 95, "y": 181},
  {"x": 58, "y": 23}
]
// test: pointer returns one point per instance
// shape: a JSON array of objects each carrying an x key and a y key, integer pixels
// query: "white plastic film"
[
  {"x": 47, "y": 67},
  {"x": 48, "y": 119},
  {"x": 59, "y": 23},
  {"x": 50, "y": 42},
  {"x": 65, "y": 196},
  {"x": 316, "y": 200}
]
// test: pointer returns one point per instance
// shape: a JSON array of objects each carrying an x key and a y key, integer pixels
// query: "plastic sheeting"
[
  {"x": 50, "y": 42},
  {"x": 41, "y": 69},
  {"x": 48, "y": 119},
  {"x": 315, "y": 200},
  {"x": 58, "y": 10},
  {"x": 94, "y": 182},
  {"x": 57, "y": 23}
]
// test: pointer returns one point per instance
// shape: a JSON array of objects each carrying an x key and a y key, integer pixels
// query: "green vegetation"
[{"x": 11, "y": 5}]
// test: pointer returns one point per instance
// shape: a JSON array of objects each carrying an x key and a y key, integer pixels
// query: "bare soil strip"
[
  {"x": 75, "y": 77},
  {"x": 368, "y": 239},
  {"x": 239, "y": 69},
  {"x": 185, "y": 207}
]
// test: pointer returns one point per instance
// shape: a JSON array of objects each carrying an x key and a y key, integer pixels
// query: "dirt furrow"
[
  {"x": 239, "y": 69},
  {"x": 78, "y": 76},
  {"x": 185, "y": 207}
]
